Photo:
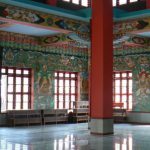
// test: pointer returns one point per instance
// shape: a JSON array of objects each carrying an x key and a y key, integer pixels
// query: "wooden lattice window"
[
  {"x": 122, "y": 88},
  {"x": 66, "y": 87},
  {"x": 15, "y": 88}
]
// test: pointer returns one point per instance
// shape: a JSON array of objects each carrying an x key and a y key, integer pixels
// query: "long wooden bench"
[
  {"x": 55, "y": 115},
  {"x": 17, "y": 117},
  {"x": 34, "y": 117},
  {"x": 24, "y": 117},
  {"x": 49, "y": 116}
]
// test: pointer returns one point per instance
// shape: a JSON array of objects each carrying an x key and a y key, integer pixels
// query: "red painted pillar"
[
  {"x": 101, "y": 67},
  {"x": 51, "y": 2},
  {"x": 148, "y": 4}
]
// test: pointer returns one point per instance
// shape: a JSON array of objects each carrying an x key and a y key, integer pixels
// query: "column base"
[{"x": 101, "y": 126}]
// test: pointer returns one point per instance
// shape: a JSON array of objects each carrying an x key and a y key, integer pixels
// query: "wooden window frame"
[
  {"x": 121, "y": 94},
  {"x": 22, "y": 75},
  {"x": 57, "y": 87}
]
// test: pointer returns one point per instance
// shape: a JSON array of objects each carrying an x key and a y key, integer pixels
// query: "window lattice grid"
[
  {"x": 66, "y": 87},
  {"x": 18, "y": 91},
  {"x": 122, "y": 88}
]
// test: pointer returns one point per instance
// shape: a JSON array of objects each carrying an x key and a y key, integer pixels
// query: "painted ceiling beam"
[{"x": 28, "y": 4}]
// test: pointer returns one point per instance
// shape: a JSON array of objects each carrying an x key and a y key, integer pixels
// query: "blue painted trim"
[{"x": 132, "y": 15}]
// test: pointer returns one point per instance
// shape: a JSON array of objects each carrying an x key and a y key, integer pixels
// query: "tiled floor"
[{"x": 74, "y": 137}]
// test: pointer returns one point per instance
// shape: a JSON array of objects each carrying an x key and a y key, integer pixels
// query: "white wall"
[{"x": 138, "y": 117}]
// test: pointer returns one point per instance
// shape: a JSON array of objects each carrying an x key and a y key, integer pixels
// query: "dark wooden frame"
[
  {"x": 22, "y": 76},
  {"x": 127, "y": 94},
  {"x": 57, "y": 93}
]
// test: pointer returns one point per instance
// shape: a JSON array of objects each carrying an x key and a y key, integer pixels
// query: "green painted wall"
[
  {"x": 140, "y": 66},
  {"x": 44, "y": 65}
]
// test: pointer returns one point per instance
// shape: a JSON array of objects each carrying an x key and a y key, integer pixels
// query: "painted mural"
[
  {"x": 44, "y": 65},
  {"x": 84, "y": 86},
  {"x": 20, "y": 41},
  {"x": 82, "y": 40},
  {"x": 122, "y": 28},
  {"x": 140, "y": 66},
  {"x": 30, "y": 16}
]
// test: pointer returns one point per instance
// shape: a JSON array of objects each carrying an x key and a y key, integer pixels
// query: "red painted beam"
[
  {"x": 51, "y": 2},
  {"x": 148, "y": 4}
]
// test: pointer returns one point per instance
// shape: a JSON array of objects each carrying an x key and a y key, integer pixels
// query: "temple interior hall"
[{"x": 74, "y": 74}]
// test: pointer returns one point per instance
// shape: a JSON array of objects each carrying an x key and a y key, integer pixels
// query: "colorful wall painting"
[
  {"x": 48, "y": 20},
  {"x": 44, "y": 65},
  {"x": 124, "y": 27},
  {"x": 139, "y": 64},
  {"x": 84, "y": 86},
  {"x": 20, "y": 41},
  {"x": 66, "y": 38}
]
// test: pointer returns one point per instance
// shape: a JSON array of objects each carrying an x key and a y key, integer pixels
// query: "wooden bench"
[
  {"x": 34, "y": 117},
  {"x": 49, "y": 116},
  {"x": 61, "y": 115},
  {"x": 24, "y": 117},
  {"x": 81, "y": 114},
  {"x": 119, "y": 113},
  {"x": 55, "y": 115},
  {"x": 17, "y": 117}
]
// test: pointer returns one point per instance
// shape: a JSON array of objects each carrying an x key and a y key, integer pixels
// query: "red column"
[
  {"x": 101, "y": 67},
  {"x": 148, "y": 4},
  {"x": 51, "y": 2}
]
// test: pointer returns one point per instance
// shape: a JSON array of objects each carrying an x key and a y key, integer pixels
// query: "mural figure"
[
  {"x": 148, "y": 84},
  {"x": 84, "y": 86},
  {"x": 44, "y": 85},
  {"x": 44, "y": 82},
  {"x": 142, "y": 84},
  {"x": 130, "y": 63}
]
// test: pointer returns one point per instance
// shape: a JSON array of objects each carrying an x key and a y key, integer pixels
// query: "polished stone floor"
[{"x": 74, "y": 137}]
